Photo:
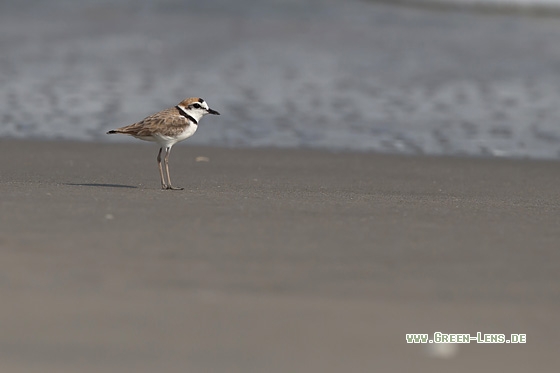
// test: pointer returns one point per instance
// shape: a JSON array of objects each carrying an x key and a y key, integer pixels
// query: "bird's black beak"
[{"x": 211, "y": 111}]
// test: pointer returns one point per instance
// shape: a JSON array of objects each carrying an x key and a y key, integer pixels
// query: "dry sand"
[{"x": 273, "y": 260}]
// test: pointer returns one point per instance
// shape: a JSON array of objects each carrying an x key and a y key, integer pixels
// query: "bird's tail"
[{"x": 113, "y": 131}]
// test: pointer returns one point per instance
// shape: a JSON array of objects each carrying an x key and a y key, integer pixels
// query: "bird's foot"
[{"x": 171, "y": 187}]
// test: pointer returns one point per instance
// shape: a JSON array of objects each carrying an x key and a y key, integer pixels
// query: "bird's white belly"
[
  {"x": 167, "y": 141},
  {"x": 188, "y": 132}
]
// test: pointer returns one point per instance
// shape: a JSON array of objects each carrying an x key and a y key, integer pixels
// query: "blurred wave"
[
  {"x": 353, "y": 75},
  {"x": 496, "y": 4}
]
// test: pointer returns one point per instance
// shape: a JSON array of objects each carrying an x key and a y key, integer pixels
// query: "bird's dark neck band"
[{"x": 186, "y": 115}]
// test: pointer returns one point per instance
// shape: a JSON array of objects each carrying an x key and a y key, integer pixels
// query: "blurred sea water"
[
  {"x": 340, "y": 75},
  {"x": 548, "y": 4}
]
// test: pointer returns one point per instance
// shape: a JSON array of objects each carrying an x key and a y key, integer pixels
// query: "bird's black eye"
[{"x": 197, "y": 106}]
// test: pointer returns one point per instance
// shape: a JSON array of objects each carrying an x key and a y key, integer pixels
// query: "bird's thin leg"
[
  {"x": 169, "y": 186},
  {"x": 163, "y": 185}
]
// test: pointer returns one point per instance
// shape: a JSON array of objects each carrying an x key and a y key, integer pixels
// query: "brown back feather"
[{"x": 168, "y": 122}]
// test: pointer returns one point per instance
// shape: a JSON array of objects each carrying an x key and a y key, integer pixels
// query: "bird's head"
[{"x": 196, "y": 107}]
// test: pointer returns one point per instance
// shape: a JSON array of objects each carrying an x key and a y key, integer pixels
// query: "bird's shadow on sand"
[{"x": 103, "y": 185}]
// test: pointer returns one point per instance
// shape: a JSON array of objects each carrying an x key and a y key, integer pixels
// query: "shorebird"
[{"x": 168, "y": 127}]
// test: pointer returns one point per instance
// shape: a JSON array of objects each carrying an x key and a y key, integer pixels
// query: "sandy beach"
[
  {"x": 276, "y": 259},
  {"x": 272, "y": 260}
]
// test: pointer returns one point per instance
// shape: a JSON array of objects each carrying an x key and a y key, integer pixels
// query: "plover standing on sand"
[{"x": 167, "y": 128}]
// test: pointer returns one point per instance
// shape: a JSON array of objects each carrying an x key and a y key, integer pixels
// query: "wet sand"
[{"x": 272, "y": 260}]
